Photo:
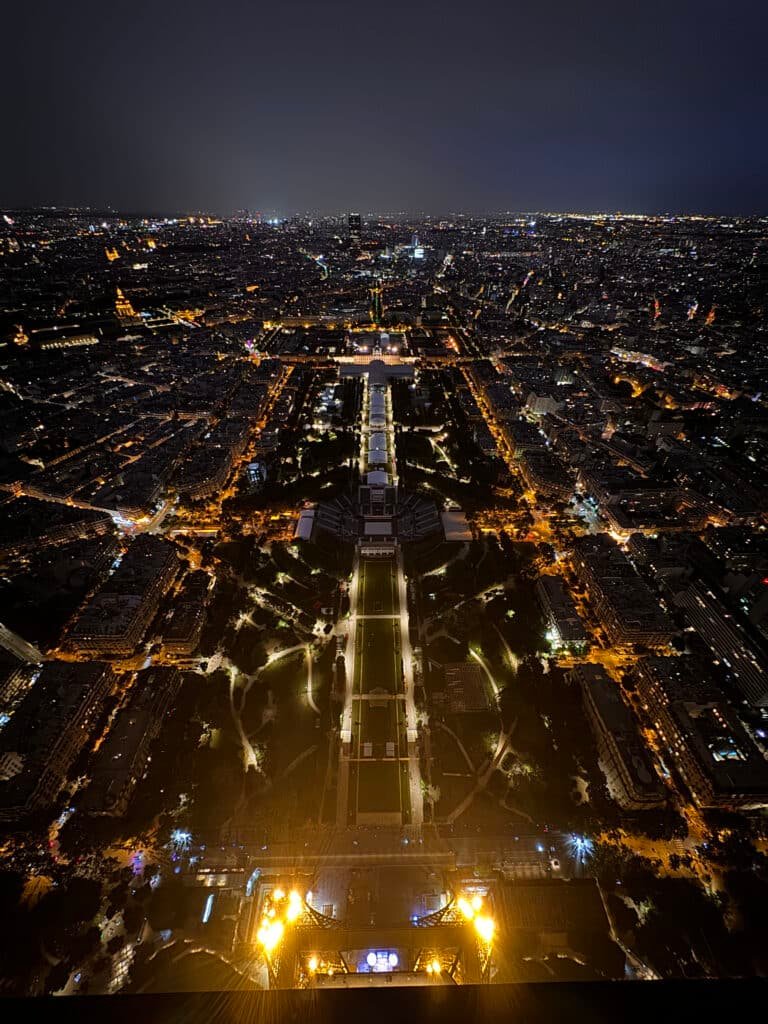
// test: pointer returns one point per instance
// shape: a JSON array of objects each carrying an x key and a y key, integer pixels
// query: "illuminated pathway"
[{"x": 414, "y": 771}]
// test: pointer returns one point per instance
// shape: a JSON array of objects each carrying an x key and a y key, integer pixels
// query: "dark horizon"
[
  {"x": 268, "y": 215},
  {"x": 649, "y": 110}
]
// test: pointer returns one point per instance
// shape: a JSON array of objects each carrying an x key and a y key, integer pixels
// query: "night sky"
[{"x": 177, "y": 105}]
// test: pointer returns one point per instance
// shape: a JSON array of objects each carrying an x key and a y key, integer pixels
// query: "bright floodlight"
[
  {"x": 485, "y": 928},
  {"x": 312, "y": 964},
  {"x": 466, "y": 908},
  {"x": 477, "y": 902},
  {"x": 270, "y": 936},
  {"x": 278, "y": 894},
  {"x": 393, "y": 960},
  {"x": 371, "y": 959},
  {"x": 436, "y": 966},
  {"x": 294, "y": 906}
]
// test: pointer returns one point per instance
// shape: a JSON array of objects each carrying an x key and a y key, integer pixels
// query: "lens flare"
[{"x": 485, "y": 928}]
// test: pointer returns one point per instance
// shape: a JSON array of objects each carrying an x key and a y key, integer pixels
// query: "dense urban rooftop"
[{"x": 382, "y": 598}]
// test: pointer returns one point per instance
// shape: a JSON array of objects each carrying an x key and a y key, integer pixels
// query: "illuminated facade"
[{"x": 123, "y": 307}]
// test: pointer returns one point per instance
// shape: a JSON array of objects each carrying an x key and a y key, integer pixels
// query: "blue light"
[
  {"x": 208, "y": 908},
  {"x": 581, "y": 848},
  {"x": 181, "y": 838},
  {"x": 381, "y": 960},
  {"x": 252, "y": 882}
]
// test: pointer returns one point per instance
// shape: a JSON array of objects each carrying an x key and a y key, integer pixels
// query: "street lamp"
[
  {"x": 485, "y": 928},
  {"x": 270, "y": 935},
  {"x": 181, "y": 839},
  {"x": 581, "y": 848}
]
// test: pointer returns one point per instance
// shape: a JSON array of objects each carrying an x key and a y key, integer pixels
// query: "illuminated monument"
[
  {"x": 304, "y": 948},
  {"x": 123, "y": 307}
]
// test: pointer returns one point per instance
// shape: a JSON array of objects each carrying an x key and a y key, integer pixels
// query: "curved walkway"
[
  {"x": 460, "y": 554},
  {"x": 297, "y": 761},
  {"x": 482, "y": 782},
  {"x": 249, "y": 753},
  {"x": 462, "y": 748},
  {"x": 487, "y": 669},
  {"x": 512, "y": 658},
  {"x": 310, "y": 694}
]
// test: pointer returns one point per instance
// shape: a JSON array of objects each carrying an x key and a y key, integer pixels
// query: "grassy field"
[
  {"x": 377, "y": 656},
  {"x": 405, "y": 793},
  {"x": 378, "y": 787},
  {"x": 378, "y": 594},
  {"x": 295, "y": 798},
  {"x": 380, "y": 724}
]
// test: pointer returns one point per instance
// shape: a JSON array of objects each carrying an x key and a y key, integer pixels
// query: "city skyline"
[{"x": 340, "y": 214}]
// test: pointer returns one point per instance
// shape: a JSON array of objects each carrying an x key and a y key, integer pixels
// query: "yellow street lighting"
[
  {"x": 430, "y": 968},
  {"x": 477, "y": 902},
  {"x": 436, "y": 966},
  {"x": 294, "y": 906},
  {"x": 485, "y": 927},
  {"x": 465, "y": 907},
  {"x": 312, "y": 964},
  {"x": 271, "y": 936},
  {"x": 278, "y": 893}
]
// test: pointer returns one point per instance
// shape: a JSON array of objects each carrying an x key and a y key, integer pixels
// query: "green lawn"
[
  {"x": 378, "y": 787},
  {"x": 383, "y": 724},
  {"x": 378, "y": 595},
  {"x": 405, "y": 793},
  {"x": 377, "y": 656}
]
